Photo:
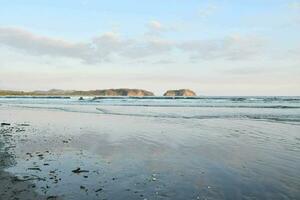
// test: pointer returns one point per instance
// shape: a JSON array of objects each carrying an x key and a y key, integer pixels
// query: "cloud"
[
  {"x": 99, "y": 49},
  {"x": 295, "y": 5},
  {"x": 156, "y": 28},
  {"x": 293, "y": 54},
  {"x": 150, "y": 47},
  {"x": 245, "y": 71},
  {"x": 109, "y": 46},
  {"x": 39, "y": 45},
  {"x": 207, "y": 10},
  {"x": 113, "y": 44},
  {"x": 156, "y": 25},
  {"x": 234, "y": 47},
  {"x": 164, "y": 62}
]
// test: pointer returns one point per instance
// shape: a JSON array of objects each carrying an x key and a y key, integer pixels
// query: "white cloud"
[
  {"x": 39, "y": 45},
  {"x": 110, "y": 45},
  {"x": 295, "y": 5},
  {"x": 156, "y": 28},
  {"x": 233, "y": 47},
  {"x": 207, "y": 10},
  {"x": 99, "y": 49},
  {"x": 294, "y": 54},
  {"x": 149, "y": 47},
  {"x": 155, "y": 25}
]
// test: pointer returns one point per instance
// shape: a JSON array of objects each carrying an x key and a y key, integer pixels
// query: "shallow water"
[{"x": 214, "y": 148}]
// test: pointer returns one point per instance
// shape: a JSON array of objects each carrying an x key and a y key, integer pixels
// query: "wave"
[
  {"x": 259, "y": 102},
  {"x": 203, "y": 106},
  {"x": 225, "y": 98},
  {"x": 64, "y": 109},
  {"x": 283, "y": 118}
]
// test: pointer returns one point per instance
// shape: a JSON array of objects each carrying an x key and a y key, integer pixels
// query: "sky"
[{"x": 214, "y": 47}]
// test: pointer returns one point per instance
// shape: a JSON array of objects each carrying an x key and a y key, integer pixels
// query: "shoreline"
[{"x": 76, "y": 155}]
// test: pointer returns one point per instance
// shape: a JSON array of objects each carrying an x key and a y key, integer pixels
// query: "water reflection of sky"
[{"x": 188, "y": 158}]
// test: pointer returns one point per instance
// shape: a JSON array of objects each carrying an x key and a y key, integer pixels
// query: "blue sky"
[{"x": 225, "y": 47}]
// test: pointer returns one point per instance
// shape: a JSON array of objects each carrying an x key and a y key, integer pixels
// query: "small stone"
[
  {"x": 51, "y": 197},
  {"x": 78, "y": 170},
  {"x": 5, "y": 124},
  {"x": 34, "y": 168}
]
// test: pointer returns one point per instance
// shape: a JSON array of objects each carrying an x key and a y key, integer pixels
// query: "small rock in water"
[
  {"x": 24, "y": 125},
  {"x": 5, "y": 124},
  {"x": 153, "y": 178},
  {"x": 78, "y": 170},
  {"x": 34, "y": 168},
  {"x": 29, "y": 154},
  {"x": 82, "y": 187},
  {"x": 51, "y": 197}
]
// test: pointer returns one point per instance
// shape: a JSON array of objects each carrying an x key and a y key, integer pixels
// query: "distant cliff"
[
  {"x": 10, "y": 92},
  {"x": 56, "y": 92},
  {"x": 114, "y": 92},
  {"x": 181, "y": 92}
]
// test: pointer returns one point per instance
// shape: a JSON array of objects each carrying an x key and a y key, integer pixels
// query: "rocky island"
[
  {"x": 56, "y": 92},
  {"x": 114, "y": 92},
  {"x": 181, "y": 92},
  {"x": 104, "y": 92}
]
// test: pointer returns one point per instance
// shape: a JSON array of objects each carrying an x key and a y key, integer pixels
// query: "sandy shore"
[
  {"x": 13, "y": 187},
  {"x": 56, "y": 154}
]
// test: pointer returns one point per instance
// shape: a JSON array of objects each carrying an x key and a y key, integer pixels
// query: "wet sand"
[
  {"x": 51, "y": 154},
  {"x": 13, "y": 187}
]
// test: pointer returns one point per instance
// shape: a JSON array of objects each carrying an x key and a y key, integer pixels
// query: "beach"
[{"x": 207, "y": 148}]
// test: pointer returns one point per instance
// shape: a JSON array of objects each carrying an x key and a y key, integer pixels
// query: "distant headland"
[
  {"x": 105, "y": 92},
  {"x": 181, "y": 92}
]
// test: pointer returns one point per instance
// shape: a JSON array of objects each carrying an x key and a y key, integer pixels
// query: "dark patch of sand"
[{"x": 12, "y": 187}]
